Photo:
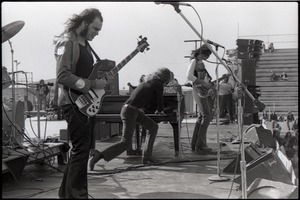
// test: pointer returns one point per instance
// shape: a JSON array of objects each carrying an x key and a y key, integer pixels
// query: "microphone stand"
[
  {"x": 256, "y": 102},
  {"x": 218, "y": 177}
]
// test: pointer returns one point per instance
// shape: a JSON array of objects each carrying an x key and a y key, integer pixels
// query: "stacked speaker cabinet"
[
  {"x": 247, "y": 75},
  {"x": 248, "y": 49},
  {"x": 103, "y": 130}
]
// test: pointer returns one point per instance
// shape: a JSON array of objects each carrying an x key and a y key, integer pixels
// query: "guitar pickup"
[{"x": 92, "y": 95}]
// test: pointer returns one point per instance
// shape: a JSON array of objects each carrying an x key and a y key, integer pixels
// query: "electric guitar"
[
  {"x": 203, "y": 88},
  {"x": 90, "y": 103}
]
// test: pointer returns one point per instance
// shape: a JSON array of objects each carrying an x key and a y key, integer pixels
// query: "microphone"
[
  {"x": 215, "y": 44},
  {"x": 173, "y": 3}
]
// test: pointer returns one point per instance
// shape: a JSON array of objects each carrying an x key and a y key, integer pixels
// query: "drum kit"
[{"x": 9, "y": 31}]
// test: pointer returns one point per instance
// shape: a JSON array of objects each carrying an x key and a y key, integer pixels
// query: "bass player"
[{"x": 74, "y": 63}]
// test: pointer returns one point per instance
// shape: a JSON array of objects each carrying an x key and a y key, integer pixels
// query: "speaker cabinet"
[
  {"x": 246, "y": 71},
  {"x": 15, "y": 166},
  {"x": 272, "y": 166},
  {"x": 247, "y": 75},
  {"x": 113, "y": 87},
  {"x": 251, "y": 153},
  {"x": 267, "y": 189}
]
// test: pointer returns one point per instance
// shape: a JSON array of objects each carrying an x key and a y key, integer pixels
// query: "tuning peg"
[
  {"x": 147, "y": 48},
  {"x": 141, "y": 36}
]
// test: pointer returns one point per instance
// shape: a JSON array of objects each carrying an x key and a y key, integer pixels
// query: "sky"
[{"x": 166, "y": 30}]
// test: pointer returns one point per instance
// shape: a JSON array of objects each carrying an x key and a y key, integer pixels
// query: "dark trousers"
[
  {"x": 130, "y": 118},
  {"x": 203, "y": 121},
  {"x": 81, "y": 131},
  {"x": 226, "y": 105}
]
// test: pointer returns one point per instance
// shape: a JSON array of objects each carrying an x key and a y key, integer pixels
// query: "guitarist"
[
  {"x": 198, "y": 75},
  {"x": 74, "y": 64}
]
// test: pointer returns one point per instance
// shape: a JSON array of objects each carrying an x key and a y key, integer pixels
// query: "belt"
[{"x": 134, "y": 108}]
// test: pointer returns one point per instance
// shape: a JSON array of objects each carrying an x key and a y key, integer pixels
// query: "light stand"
[{"x": 258, "y": 104}]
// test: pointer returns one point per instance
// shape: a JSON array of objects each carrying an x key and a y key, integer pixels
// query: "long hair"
[
  {"x": 204, "y": 50},
  {"x": 162, "y": 74},
  {"x": 88, "y": 15}
]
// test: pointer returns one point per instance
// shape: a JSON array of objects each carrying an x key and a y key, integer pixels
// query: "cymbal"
[{"x": 10, "y": 30}]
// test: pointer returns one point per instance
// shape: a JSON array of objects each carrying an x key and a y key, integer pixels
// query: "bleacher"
[{"x": 279, "y": 96}]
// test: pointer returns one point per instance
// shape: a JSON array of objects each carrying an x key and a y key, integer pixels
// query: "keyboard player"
[{"x": 132, "y": 113}]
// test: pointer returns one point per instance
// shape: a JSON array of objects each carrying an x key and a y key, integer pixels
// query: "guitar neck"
[{"x": 117, "y": 68}]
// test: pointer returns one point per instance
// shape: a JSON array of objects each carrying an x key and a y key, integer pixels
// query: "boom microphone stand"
[
  {"x": 218, "y": 177},
  {"x": 258, "y": 104}
]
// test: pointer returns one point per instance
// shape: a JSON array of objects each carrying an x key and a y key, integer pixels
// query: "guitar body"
[
  {"x": 90, "y": 103},
  {"x": 203, "y": 88}
]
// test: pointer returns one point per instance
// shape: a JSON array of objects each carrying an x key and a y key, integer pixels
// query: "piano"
[{"x": 112, "y": 105}]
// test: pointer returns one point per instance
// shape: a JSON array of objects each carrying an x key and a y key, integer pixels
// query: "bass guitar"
[
  {"x": 203, "y": 88},
  {"x": 90, "y": 103}
]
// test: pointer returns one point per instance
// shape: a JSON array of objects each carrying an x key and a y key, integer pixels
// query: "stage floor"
[{"x": 188, "y": 176}]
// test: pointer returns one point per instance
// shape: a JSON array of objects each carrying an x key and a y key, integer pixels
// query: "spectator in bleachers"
[
  {"x": 287, "y": 139},
  {"x": 263, "y": 49},
  {"x": 277, "y": 126},
  {"x": 265, "y": 115},
  {"x": 277, "y": 137},
  {"x": 274, "y": 77},
  {"x": 273, "y": 116},
  {"x": 271, "y": 48},
  {"x": 280, "y": 118},
  {"x": 289, "y": 119},
  {"x": 295, "y": 126},
  {"x": 284, "y": 76}
]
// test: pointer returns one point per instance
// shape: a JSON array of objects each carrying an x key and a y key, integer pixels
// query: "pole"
[
  {"x": 218, "y": 177},
  {"x": 13, "y": 89},
  {"x": 179, "y": 120},
  {"x": 242, "y": 162}
]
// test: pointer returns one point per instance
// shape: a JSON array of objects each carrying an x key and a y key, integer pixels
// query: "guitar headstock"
[{"x": 143, "y": 44}]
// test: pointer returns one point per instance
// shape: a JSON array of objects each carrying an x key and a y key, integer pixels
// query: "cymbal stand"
[{"x": 13, "y": 89}]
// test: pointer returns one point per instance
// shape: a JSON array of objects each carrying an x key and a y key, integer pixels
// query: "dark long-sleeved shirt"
[{"x": 147, "y": 93}]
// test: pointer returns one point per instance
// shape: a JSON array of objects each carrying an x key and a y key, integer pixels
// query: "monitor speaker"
[
  {"x": 267, "y": 189},
  {"x": 251, "y": 153},
  {"x": 271, "y": 166},
  {"x": 15, "y": 166}
]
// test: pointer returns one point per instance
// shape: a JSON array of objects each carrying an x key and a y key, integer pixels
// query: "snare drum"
[{"x": 6, "y": 80}]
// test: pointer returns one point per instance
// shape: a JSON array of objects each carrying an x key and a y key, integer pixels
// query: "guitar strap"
[
  {"x": 207, "y": 73},
  {"x": 97, "y": 57}
]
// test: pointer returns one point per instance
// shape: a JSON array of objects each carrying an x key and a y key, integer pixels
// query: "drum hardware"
[{"x": 8, "y": 31}]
